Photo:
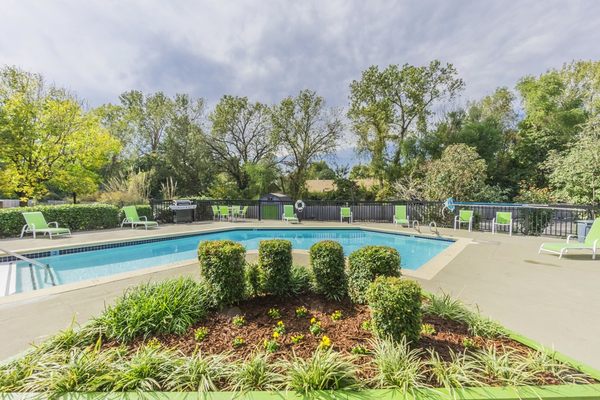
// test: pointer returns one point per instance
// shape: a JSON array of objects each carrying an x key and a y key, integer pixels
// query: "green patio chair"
[
  {"x": 36, "y": 223},
  {"x": 288, "y": 214},
  {"x": 223, "y": 213},
  {"x": 235, "y": 212},
  {"x": 464, "y": 217},
  {"x": 346, "y": 212},
  {"x": 215, "y": 211},
  {"x": 132, "y": 217},
  {"x": 591, "y": 242},
  {"x": 400, "y": 216},
  {"x": 243, "y": 212},
  {"x": 503, "y": 218}
]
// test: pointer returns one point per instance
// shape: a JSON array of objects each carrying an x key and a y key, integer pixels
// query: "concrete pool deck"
[{"x": 555, "y": 302}]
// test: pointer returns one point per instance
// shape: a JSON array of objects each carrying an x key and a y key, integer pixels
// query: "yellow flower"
[
  {"x": 313, "y": 320},
  {"x": 325, "y": 342},
  {"x": 275, "y": 335},
  {"x": 280, "y": 323}
]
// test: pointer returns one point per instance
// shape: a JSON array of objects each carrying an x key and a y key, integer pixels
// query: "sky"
[{"x": 267, "y": 49}]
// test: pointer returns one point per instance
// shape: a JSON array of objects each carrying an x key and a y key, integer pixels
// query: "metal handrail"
[{"x": 45, "y": 267}]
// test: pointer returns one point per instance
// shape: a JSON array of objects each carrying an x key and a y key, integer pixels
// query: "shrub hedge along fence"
[
  {"x": 275, "y": 263},
  {"x": 328, "y": 266},
  {"x": 222, "y": 265},
  {"x": 77, "y": 217},
  {"x": 395, "y": 305},
  {"x": 367, "y": 263}
]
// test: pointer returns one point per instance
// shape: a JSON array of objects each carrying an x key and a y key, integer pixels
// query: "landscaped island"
[{"x": 340, "y": 325}]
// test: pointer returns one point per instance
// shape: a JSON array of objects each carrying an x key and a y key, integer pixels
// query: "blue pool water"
[{"x": 67, "y": 268}]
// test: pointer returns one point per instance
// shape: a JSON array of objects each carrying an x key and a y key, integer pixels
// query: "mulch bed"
[{"x": 344, "y": 334}]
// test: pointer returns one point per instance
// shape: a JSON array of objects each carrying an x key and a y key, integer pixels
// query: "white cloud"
[{"x": 270, "y": 49}]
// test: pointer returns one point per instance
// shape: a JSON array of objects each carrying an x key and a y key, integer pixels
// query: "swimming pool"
[{"x": 89, "y": 264}]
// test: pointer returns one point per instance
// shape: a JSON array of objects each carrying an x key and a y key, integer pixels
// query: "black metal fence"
[{"x": 549, "y": 220}]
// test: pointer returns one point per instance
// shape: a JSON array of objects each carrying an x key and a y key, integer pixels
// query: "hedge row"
[{"x": 77, "y": 217}]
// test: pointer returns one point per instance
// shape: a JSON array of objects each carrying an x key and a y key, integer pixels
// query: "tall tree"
[
  {"x": 306, "y": 130},
  {"x": 575, "y": 172},
  {"x": 187, "y": 159},
  {"x": 47, "y": 139},
  {"x": 240, "y": 136},
  {"x": 389, "y": 105}
]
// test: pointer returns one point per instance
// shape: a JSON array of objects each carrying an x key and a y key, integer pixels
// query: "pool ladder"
[{"x": 48, "y": 274}]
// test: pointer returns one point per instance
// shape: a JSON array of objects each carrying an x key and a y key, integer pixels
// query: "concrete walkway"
[{"x": 556, "y": 302}]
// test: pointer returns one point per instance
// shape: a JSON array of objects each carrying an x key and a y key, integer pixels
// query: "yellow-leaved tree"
[{"x": 47, "y": 140}]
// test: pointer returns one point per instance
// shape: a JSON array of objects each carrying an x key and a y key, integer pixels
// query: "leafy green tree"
[
  {"x": 459, "y": 173},
  {"x": 554, "y": 108},
  {"x": 320, "y": 170},
  {"x": 240, "y": 135},
  {"x": 389, "y": 105},
  {"x": 360, "y": 171},
  {"x": 47, "y": 139},
  {"x": 306, "y": 130},
  {"x": 575, "y": 172},
  {"x": 186, "y": 158}
]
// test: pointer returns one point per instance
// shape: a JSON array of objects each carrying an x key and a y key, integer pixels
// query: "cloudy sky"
[{"x": 270, "y": 49}]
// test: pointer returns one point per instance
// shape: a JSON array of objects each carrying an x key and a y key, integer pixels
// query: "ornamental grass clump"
[
  {"x": 397, "y": 365},
  {"x": 198, "y": 373},
  {"x": 256, "y": 372},
  {"x": 328, "y": 266},
  {"x": 222, "y": 265},
  {"x": 149, "y": 369},
  {"x": 395, "y": 308},
  {"x": 325, "y": 370},
  {"x": 367, "y": 263},
  {"x": 275, "y": 264},
  {"x": 170, "y": 306}
]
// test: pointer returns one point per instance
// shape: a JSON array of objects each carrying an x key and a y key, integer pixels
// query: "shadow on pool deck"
[{"x": 555, "y": 302}]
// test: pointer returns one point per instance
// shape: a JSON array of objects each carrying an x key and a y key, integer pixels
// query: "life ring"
[{"x": 299, "y": 205}]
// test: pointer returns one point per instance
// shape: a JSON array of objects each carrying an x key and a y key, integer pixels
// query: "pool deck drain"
[{"x": 552, "y": 301}]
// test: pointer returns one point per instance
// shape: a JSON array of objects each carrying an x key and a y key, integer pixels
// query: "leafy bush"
[
  {"x": 328, "y": 266},
  {"x": 275, "y": 263},
  {"x": 300, "y": 280},
  {"x": 76, "y": 217},
  {"x": 395, "y": 308},
  {"x": 171, "y": 306},
  {"x": 253, "y": 284},
  {"x": 367, "y": 263},
  {"x": 222, "y": 268}
]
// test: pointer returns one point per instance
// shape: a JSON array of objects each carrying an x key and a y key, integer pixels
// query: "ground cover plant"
[{"x": 171, "y": 336}]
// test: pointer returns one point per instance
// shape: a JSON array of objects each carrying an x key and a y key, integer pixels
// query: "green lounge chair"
[
  {"x": 346, "y": 212},
  {"x": 223, "y": 213},
  {"x": 400, "y": 216},
  {"x": 591, "y": 242},
  {"x": 464, "y": 217},
  {"x": 503, "y": 218},
  {"x": 132, "y": 217},
  {"x": 36, "y": 223},
  {"x": 215, "y": 211},
  {"x": 288, "y": 214}
]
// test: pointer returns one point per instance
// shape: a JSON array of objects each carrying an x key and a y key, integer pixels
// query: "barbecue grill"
[{"x": 183, "y": 211}]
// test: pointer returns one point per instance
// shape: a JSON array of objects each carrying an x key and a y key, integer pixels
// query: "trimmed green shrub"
[
  {"x": 328, "y": 265},
  {"x": 395, "y": 308},
  {"x": 76, "y": 217},
  {"x": 253, "y": 285},
  {"x": 222, "y": 268},
  {"x": 275, "y": 263},
  {"x": 166, "y": 307},
  {"x": 367, "y": 263}
]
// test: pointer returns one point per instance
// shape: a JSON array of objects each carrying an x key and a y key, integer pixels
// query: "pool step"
[{"x": 8, "y": 279}]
